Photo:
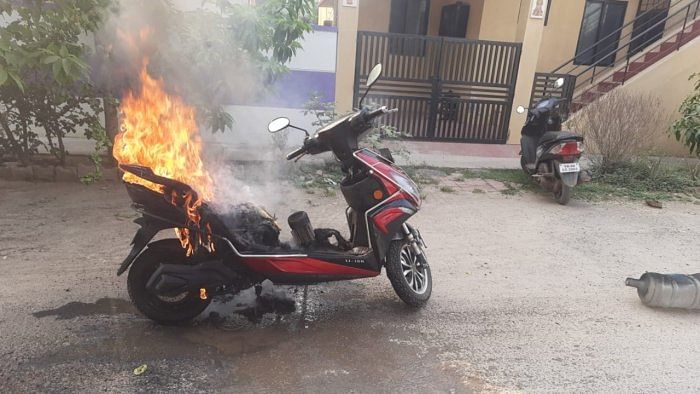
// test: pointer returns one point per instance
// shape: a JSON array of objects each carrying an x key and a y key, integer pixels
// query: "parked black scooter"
[{"x": 549, "y": 155}]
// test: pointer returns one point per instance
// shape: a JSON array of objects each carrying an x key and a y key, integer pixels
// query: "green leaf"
[
  {"x": 56, "y": 69},
  {"x": 3, "y": 76},
  {"x": 63, "y": 51},
  {"x": 50, "y": 59},
  {"x": 18, "y": 81},
  {"x": 66, "y": 67}
]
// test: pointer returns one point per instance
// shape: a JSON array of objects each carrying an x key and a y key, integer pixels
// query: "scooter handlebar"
[
  {"x": 366, "y": 116},
  {"x": 297, "y": 153}
]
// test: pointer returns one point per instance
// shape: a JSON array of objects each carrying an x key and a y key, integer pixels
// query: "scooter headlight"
[{"x": 408, "y": 186}]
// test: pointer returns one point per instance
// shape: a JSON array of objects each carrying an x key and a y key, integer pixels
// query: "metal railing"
[{"x": 580, "y": 77}]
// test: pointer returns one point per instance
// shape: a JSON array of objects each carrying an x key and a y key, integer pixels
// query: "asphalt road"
[{"x": 528, "y": 296}]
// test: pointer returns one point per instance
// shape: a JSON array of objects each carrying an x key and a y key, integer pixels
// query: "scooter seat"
[{"x": 552, "y": 137}]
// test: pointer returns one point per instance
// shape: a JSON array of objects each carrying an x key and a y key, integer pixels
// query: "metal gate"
[{"x": 446, "y": 89}]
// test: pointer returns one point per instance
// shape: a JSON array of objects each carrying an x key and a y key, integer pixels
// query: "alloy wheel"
[{"x": 414, "y": 271}]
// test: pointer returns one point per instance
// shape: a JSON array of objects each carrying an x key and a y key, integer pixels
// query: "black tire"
[
  {"x": 562, "y": 193},
  {"x": 409, "y": 291},
  {"x": 523, "y": 165},
  {"x": 177, "y": 310}
]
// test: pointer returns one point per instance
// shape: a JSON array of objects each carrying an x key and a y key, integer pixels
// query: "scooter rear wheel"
[
  {"x": 562, "y": 193},
  {"x": 409, "y": 273},
  {"x": 174, "y": 310}
]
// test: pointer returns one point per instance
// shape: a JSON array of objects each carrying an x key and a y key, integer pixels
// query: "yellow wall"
[
  {"x": 668, "y": 80},
  {"x": 499, "y": 20},
  {"x": 374, "y": 15},
  {"x": 347, "y": 20}
]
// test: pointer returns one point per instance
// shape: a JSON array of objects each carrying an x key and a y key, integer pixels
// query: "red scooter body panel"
[
  {"x": 401, "y": 202},
  {"x": 300, "y": 265}
]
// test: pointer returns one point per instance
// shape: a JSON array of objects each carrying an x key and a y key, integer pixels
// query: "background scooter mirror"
[
  {"x": 374, "y": 75},
  {"x": 278, "y": 125},
  {"x": 559, "y": 82},
  {"x": 520, "y": 109}
]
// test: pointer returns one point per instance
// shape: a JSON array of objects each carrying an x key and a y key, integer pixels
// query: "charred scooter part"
[
  {"x": 302, "y": 231},
  {"x": 668, "y": 291}
]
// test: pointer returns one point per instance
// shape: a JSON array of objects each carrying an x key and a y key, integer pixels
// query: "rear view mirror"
[
  {"x": 374, "y": 75},
  {"x": 278, "y": 125},
  {"x": 520, "y": 109},
  {"x": 559, "y": 83}
]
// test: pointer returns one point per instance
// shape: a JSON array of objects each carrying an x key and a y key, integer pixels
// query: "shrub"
[
  {"x": 617, "y": 127},
  {"x": 650, "y": 175},
  {"x": 687, "y": 128}
]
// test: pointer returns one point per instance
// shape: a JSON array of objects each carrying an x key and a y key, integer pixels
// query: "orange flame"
[{"x": 159, "y": 131}]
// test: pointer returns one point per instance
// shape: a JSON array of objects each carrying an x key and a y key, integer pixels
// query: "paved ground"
[
  {"x": 528, "y": 296},
  {"x": 459, "y": 155}
]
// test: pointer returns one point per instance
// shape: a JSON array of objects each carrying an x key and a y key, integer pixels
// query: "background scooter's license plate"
[{"x": 569, "y": 167}]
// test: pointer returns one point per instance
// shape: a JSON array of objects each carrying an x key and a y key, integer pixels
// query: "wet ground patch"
[{"x": 103, "y": 306}]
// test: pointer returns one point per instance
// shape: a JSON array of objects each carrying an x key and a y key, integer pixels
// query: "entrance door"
[
  {"x": 649, "y": 25},
  {"x": 451, "y": 90},
  {"x": 600, "y": 32},
  {"x": 454, "y": 19}
]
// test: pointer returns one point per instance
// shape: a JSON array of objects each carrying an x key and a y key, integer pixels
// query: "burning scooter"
[{"x": 172, "y": 280}]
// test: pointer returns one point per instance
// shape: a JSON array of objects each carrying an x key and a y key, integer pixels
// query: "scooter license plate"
[{"x": 569, "y": 167}]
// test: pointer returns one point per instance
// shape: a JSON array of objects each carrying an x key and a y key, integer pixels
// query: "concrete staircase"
[{"x": 649, "y": 56}]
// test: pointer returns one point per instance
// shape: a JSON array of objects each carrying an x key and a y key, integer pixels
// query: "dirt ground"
[{"x": 528, "y": 296}]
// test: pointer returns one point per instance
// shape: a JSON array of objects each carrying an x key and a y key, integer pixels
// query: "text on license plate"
[{"x": 569, "y": 167}]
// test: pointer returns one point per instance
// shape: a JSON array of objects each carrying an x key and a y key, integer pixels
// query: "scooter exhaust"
[
  {"x": 668, "y": 291},
  {"x": 172, "y": 279}
]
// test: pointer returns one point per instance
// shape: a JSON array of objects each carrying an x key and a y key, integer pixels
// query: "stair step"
[
  {"x": 662, "y": 50},
  {"x": 691, "y": 33},
  {"x": 619, "y": 76},
  {"x": 638, "y": 66},
  {"x": 606, "y": 86},
  {"x": 669, "y": 46},
  {"x": 576, "y": 106},
  {"x": 590, "y": 95}
]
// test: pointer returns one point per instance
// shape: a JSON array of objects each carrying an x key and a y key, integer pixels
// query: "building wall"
[
  {"x": 374, "y": 15},
  {"x": 668, "y": 80},
  {"x": 560, "y": 36},
  {"x": 499, "y": 20}
]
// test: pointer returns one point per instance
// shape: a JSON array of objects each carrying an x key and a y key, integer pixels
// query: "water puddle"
[
  {"x": 103, "y": 306},
  {"x": 272, "y": 300}
]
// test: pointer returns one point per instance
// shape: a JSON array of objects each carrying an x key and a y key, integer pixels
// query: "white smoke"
[{"x": 184, "y": 52}]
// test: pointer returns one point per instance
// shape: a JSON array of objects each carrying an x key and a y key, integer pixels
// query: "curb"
[{"x": 39, "y": 173}]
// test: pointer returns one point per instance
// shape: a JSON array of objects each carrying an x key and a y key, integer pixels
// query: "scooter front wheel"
[
  {"x": 409, "y": 273},
  {"x": 167, "y": 310}
]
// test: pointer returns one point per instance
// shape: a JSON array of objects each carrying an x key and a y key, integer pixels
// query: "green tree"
[
  {"x": 43, "y": 74},
  {"x": 687, "y": 128},
  {"x": 207, "y": 54}
]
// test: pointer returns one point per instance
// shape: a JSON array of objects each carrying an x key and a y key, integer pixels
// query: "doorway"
[
  {"x": 649, "y": 24},
  {"x": 454, "y": 19},
  {"x": 599, "y": 37}
]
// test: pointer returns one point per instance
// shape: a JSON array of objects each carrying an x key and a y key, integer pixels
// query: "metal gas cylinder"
[{"x": 668, "y": 291}]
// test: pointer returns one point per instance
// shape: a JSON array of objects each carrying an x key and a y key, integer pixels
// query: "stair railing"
[{"x": 686, "y": 13}]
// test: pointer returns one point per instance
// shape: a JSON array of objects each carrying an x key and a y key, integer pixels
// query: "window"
[
  {"x": 600, "y": 32},
  {"x": 409, "y": 16}
]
